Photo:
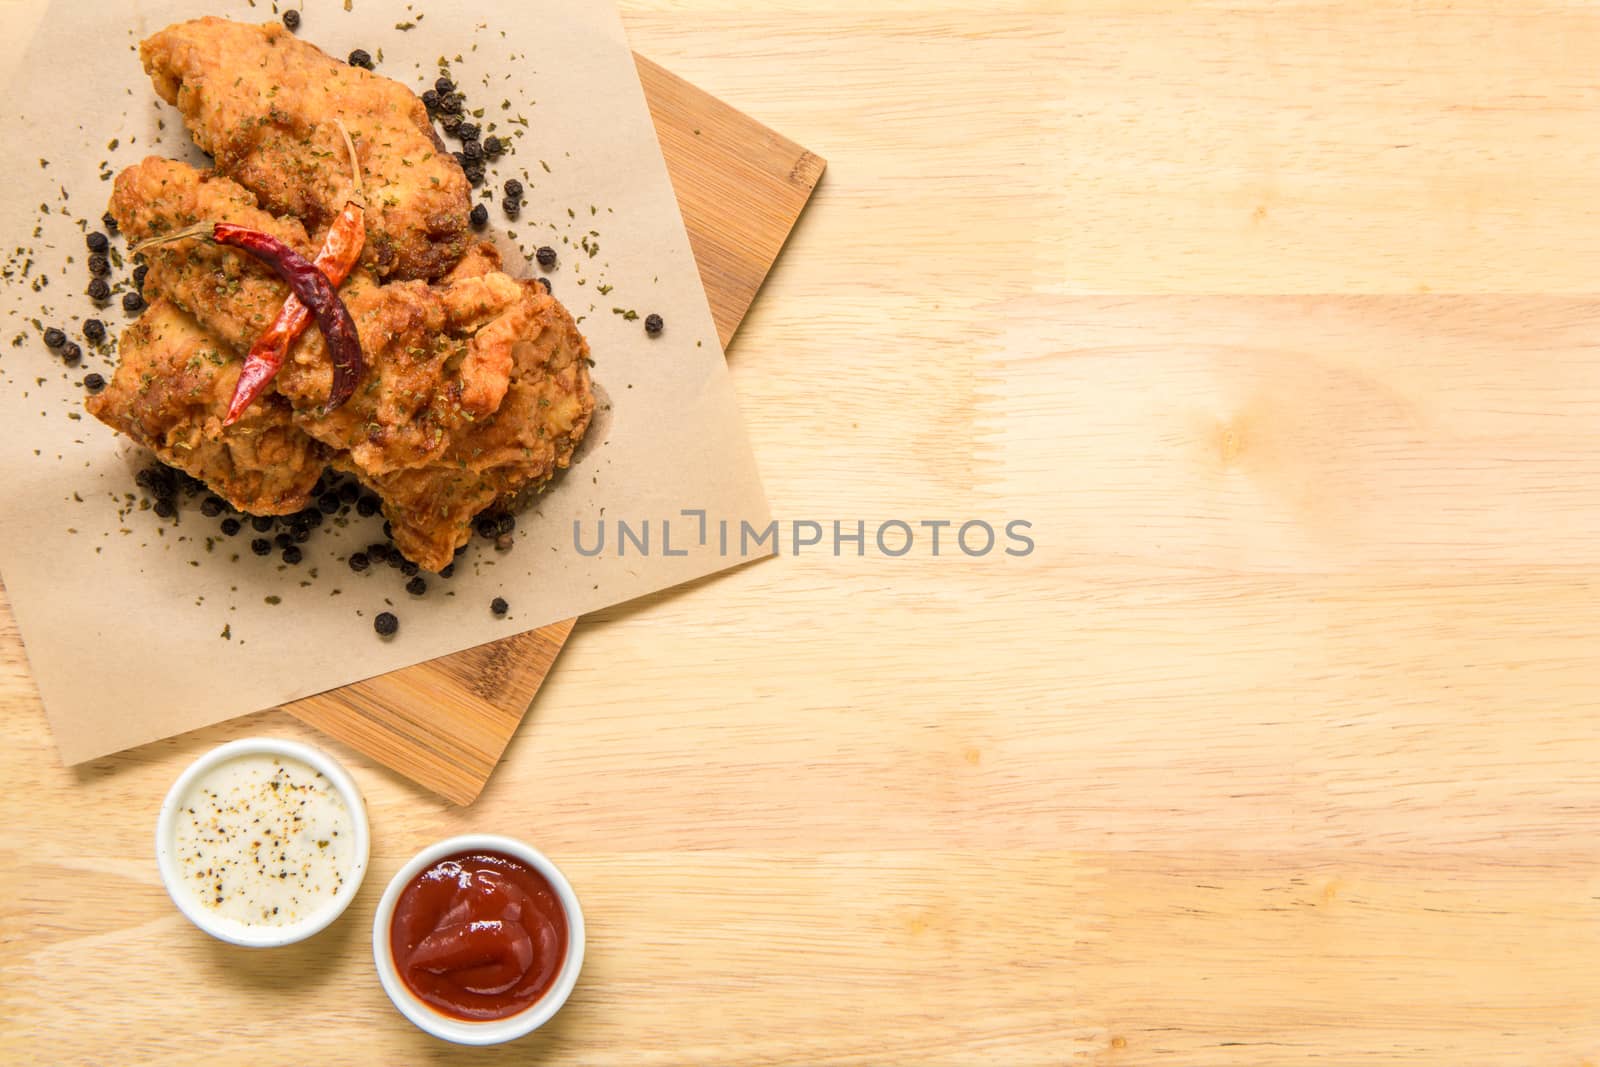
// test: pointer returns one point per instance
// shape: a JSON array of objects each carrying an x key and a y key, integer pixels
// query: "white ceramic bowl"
[
  {"x": 492, "y": 1031},
  {"x": 231, "y": 930}
]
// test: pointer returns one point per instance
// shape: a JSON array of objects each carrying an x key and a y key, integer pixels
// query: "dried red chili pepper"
[
  {"x": 309, "y": 285},
  {"x": 337, "y": 257}
]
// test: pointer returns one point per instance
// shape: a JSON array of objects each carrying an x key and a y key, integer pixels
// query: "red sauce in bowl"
[{"x": 478, "y": 935}]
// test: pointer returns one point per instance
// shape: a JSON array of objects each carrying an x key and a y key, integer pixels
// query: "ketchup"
[{"x": 478, "y": 935}]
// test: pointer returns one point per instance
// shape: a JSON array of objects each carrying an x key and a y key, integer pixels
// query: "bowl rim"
[
  {"x": 488, "y": 1031},
  {"x": 232, "y": 931}
]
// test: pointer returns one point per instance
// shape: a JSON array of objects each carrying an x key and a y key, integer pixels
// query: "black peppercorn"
[
  {"x": 487, "y": 528},
  {"x": 94, "y": 382},
  {"x": 361, "y": 58},
  {"x": 653, "y": 325},
  {"x": 512, "y": 206},
  {"x": 451, "y": 123},
  {"x": 283, "y": 540},
  {"x": 378, "y": 553},
  {"x": 472, "y": 150},
  {"x": 358, "y": 561},
  {"x": 505, "y": 524},
  {"x": 71, "y": 352},
  {"x": 138, "y": 274},
  {"x": 291, "y": 555},
  {"x": 492, "y": 147},
  {"x": 499, "y": 606},
  {"x": 416, "y": 586},
  {"x": 132, "y": 301},
  {"x": 54, "y": 337},
  {"x": 479, "y": 217},
  {"x": 469, "y": 131},
  {"x": 460, "y": 158},
  {"x": 451, "y": 103},
  {"x": 96, "y": 241},
  {"x": 302, "y": 534},
  {"x": 94, "y": 330},
  {"x": 444, "y": 85},
  {"x": 211, "y": 507},
  {"x": 513, "y": 189},
  {"x": 308, "y": 517},
  {"x": 261, "y": 546},
  {"x": 291, "y": 19},
  {"x": 328, "y": 502},
  {"x": 99, "y": 291},
  {"x": 99, "y": 265},
  {"x": 546, "y": 256},
  {"x": 474, "y": 172},
  {"x": 544, "y": 283},
  {"x": 110, "y": 221},
  {"x": 348, "y": 492},
  {"x": 386, "y": 624},
  {"x": 165, "y": 509},
  {"x": 367, "y": 505},
  {"x": 449, "y": 569},
  {"x": 230, "y": 526},
  {"x": 261, "y": 523},
  {"x": 407, "y": 568},
  {"x": 396, "y": 559}
]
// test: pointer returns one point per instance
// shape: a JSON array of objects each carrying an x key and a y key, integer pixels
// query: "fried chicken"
[
  {"x": 169, "y": 393},
  {"x": 476, "y": 389},
  {"x": 264, "y": 103}
]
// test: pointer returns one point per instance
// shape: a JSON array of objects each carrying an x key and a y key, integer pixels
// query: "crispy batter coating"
[
  {"x": 476, "y": 389},
  {"x": 170, "y": 392},
  {"x": 263, "y": 103}
]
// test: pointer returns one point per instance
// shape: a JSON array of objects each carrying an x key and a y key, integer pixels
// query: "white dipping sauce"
[{"x": 263, "y": 840}]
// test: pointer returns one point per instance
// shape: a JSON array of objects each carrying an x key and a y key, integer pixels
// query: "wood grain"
[
  {"x": 740, "y": 186},
  {"x": 1280, "y": 749}
]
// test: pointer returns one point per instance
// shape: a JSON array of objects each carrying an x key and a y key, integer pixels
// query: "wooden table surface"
[{"x": 1277, "y": 323}]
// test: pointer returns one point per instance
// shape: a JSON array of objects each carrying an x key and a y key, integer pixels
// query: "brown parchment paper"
[{"x": 123, "y": 615}]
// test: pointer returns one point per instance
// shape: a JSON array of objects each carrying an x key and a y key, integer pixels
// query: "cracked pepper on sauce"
[
  {"x": 264, "y": 840},
  {"x": 478, "y": 935}
]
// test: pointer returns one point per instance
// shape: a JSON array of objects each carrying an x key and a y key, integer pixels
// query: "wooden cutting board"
[{"x": 740, "y": 186}]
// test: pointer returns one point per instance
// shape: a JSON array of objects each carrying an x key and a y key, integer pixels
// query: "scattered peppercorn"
[
  {"x": 487, "y": 527},
  {"x": 99, "y": 291},
  {"x": 451, "y": 122},
  {"x": 367, "y": 505},
  {"x": 348, "y": 493},
  {"x": 54, "y": 337},
  {"x": 361, "y": 58},
  {"x": 110, "y": 221},
  {"x": 94, "y": 330},
  {"x": 546, "y": 256},
  {"x": 291, "y": 19},
  {"x": 513, "y": 189},
  {"x": 450, "y": 103},
  {"x": 653, "y": 324},
  {"x": 472, "y": 150},
  {"x": 386, "y": 624},
  {"x": 444, "y": 85},
  {"x": 512, "y": 206},
  {"x": 94, "y": 382},
  {"x": 407, "y": 568},
  {"x": 261, "y": 523},
  {"x": 544, "y": 283},
  {"x": 474, "y": 172},
  {"x": 132, "y": 301},
  {"x": 99, "y": 265},
  {"x": 165, "y": 509},
  {"x": 416, "y": 586},
  {"x": 430, "y": 100},
  {"x": 328, "y": 502},
  {"x": 449, "y": 569},
  {"x": 261, "y": 546},
  {"x": 308, "y": 517},
  {"x": 138, "y": 274},
  {"x": 71, "y": 352},
  {"x": 97, "y": 241},
  {"x": 358, "y": 561},
  {"x": 505, "y": 524},
  {"x": 469, "y": 131},
  {"x": 499, "y": 606},
  {"x": 301, "y": 534},
  {"x": 396, "y": 559},
  {"x": 378, "y": 553},
  {"x": 479, "y": 217},
  {"x": 291, "y": 555},
  {"x": 230, "y": 526},
  {"x": 492, "y": 147},
  {"x": 211, "y": 507},
  {"x": 283, "y": 540}
]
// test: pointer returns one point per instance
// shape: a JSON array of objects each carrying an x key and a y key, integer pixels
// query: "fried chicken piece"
[
  {"x": 233, "y": 293},
  {"x": 169, "y": 393},
  {"x": 503, "y": 456},
  {"x": 263, "y": 103}
]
